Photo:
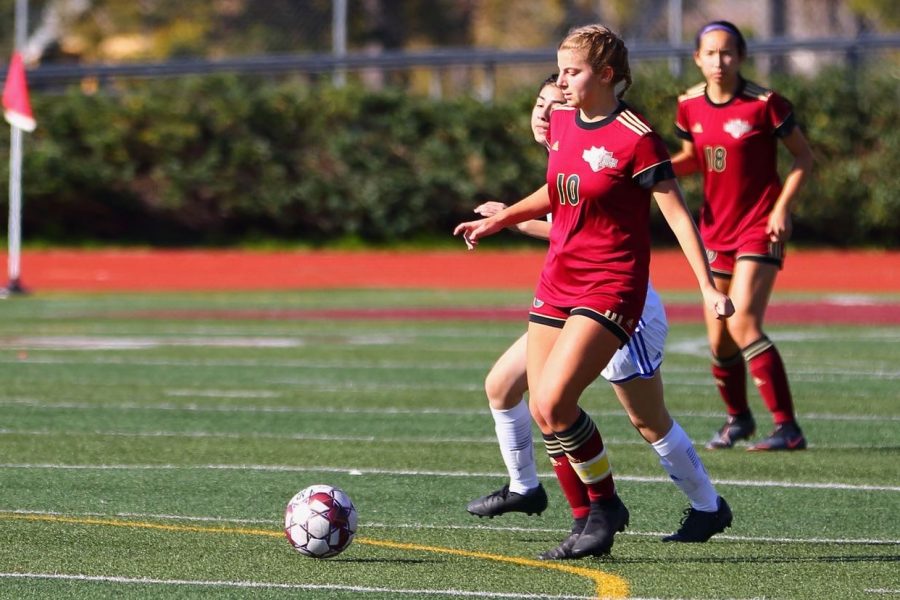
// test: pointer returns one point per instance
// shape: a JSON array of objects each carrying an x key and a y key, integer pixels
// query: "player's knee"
[
  {"x": 499, "y": 391},
  {"x": 744, "y": 332},
  {"x": 557, "y": 416}
]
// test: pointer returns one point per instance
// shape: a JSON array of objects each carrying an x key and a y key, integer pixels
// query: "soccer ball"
[{"x": 320, "y": 521}]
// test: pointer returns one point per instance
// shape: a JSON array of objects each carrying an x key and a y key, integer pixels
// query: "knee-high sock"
[
  {"x": 731, "y": 379},
  {"x": 572, "y": 487},
  {"x": 770, "y": 379},
  {"x": 584, "y": 448},
  {"x": 513, "y": 427},
  {"x": 678, "y": 457}
]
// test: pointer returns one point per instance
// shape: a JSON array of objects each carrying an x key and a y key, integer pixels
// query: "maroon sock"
[
  {"x": 584, "y": 447},
  {"x": 731, "y": 379},
  {"x": 572, "y": 487},
  {"x": 770, "y": 378}
]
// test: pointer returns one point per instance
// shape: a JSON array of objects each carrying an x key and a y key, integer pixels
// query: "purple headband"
[{"x": 718, "y": 27}]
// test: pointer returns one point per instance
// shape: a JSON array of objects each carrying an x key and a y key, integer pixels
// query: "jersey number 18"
[{"x": 715, "y": 158}]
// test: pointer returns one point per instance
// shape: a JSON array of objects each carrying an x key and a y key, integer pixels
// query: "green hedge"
[{"x": 228, "y": 160}]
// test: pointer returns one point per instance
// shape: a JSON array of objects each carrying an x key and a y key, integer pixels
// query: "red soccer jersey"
[
  {"x": 736, "y": 147},
  {"x": 600, "y": 177}
]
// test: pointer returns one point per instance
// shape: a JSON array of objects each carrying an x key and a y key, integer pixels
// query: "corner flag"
[{"x": 16, "y": 106}]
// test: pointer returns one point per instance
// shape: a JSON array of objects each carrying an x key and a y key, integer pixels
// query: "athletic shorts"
[
  {"x": 721, "y": 262},
  {"x": 555, "y": 316},
  {"x": 643, "y": 354}
]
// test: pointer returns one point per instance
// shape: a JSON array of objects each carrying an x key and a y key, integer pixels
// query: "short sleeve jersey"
[
  {"x": 600, "y": 175},
  {"x": 736, "y": 147}
]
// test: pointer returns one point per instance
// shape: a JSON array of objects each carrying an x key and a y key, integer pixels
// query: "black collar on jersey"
[
  {"x": 602, "y": 122},
  {"x": 742, "y": 83}
]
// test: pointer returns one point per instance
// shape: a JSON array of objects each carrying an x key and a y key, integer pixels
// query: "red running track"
[{"x": 830, "y": 271}]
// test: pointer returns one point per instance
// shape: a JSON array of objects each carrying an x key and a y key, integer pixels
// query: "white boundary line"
[
  {"x": 331, "y": 410},
  {"x": 831, "y": 371},
  {"x": 286, "y": 586},
  {"x": 426, "y": 473},
  {"x": 478, "y": 527},
  {"x": 610, "y": 441},
  {"x": 313, "y": 587}
]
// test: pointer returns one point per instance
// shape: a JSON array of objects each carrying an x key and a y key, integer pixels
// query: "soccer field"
[{"x": 149, "y": 443}]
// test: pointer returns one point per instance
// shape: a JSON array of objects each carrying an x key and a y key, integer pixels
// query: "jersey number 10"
[{"x": 567, "y": 187}]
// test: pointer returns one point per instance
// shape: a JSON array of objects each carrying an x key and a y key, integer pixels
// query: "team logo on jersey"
[
  {"x": 697, "y": 128},
  {"x": 555, "y": 145},
  {"x": 537, "y": 303},
  {"x": 737, "y": 127},
  {"x": 711, "y": 256},
  {"x": 598, "y": 158}
]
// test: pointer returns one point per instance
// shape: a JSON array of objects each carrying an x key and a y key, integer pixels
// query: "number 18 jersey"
[{"x": 736, "y": 148}]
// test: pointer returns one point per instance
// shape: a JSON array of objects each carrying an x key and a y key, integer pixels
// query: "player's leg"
[
  {"x": 637, "y": 381},
  {"x": 587, "y": 339},
  {"x": 574, "y": 490},
  {"x": 633, "y": 372},
  {"x": 541, "y": 340},
  {"x": 728, "y": 368},
  {"x": 751, "y": 290},
  {"x": 505, "y": 387}
]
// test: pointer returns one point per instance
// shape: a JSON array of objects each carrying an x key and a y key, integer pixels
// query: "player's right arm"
[
  {"x": 533, "y": 206},
  {"x": 536, "y": 228}
]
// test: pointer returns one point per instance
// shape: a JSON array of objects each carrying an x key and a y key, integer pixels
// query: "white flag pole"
[
  {"x": 15, "y": 210},
  {"x": 15, "y": 172}
]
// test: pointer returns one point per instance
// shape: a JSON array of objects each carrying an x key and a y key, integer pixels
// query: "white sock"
[
  {"x": 513, "y": 429},
  {"x": 680, "y": 460}
]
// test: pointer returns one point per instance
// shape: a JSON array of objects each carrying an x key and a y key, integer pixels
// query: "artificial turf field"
[{"x": 148, "y": 444}]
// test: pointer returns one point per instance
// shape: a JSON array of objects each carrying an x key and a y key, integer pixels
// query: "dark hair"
[
  {"x": 604, "y": 49},
  {"x": 551, "y": 80},
  {"x": 728, "y": 27}
]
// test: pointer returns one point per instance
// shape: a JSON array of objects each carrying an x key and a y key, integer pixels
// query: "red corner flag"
[{"x": 16, "y": 106}]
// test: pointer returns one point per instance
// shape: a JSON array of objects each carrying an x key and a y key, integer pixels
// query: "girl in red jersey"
[
  {"x": 635, "y": 375},
  {"x": 605, "y": 165},
  {"x": 730, "y": 128}
]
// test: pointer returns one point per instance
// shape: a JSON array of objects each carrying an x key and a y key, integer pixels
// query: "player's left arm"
[
  {"x": 779, "y": 226},
  {"x": 673, "y": 207}
]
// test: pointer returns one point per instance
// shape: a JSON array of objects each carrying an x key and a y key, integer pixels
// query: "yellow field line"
[{"x": 606, "y": 586}]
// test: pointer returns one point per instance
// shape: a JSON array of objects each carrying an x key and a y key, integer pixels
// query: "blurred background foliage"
[
  {"x": 230, "y": 160},
  {"x": 397, "y": 155}
]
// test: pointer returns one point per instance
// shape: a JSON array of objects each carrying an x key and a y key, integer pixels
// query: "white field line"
[
  {"x": 479, "y": 527},
  {"x": 81, "y": 343},
  {"x": 752, "y": 483},
  {"x": 331, "y": 410},
  {"x": 321, "y": 437},
  {"x": 843, "y": 370},
  {"x": 223, "y": 394},
  {"x": 283, "y": 586}
]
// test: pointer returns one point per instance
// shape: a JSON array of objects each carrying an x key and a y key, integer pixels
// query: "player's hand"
[
  {"x": 779, "y": 226},
  {"x": 472, "y": 231},
  {"x": 489, "y": 209},
  {"x": 719, "y": 303}
]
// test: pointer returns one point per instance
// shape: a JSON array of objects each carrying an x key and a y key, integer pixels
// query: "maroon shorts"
[
  {"x": 620, "y": 325},
  {"x": 721, "y": 262}
]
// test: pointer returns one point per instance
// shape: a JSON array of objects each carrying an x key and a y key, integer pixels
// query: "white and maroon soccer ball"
[{"x": 320, "y": 521}]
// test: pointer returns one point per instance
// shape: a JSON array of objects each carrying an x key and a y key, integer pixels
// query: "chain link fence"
[{"x": 433, "y": 47}]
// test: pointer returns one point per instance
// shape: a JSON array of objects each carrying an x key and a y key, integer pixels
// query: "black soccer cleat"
[
  {"x": 564, "y": 550},
  {"x": 532, "y": 502},
  {"x": 787, "y": 436},
  {"x": 607, "y": 517},
  {"x": 736, "y": 428},
  {"x": 698, "y": 526}
]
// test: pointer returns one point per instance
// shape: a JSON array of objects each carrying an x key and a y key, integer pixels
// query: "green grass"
[{"x": 152, "y": 457}]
